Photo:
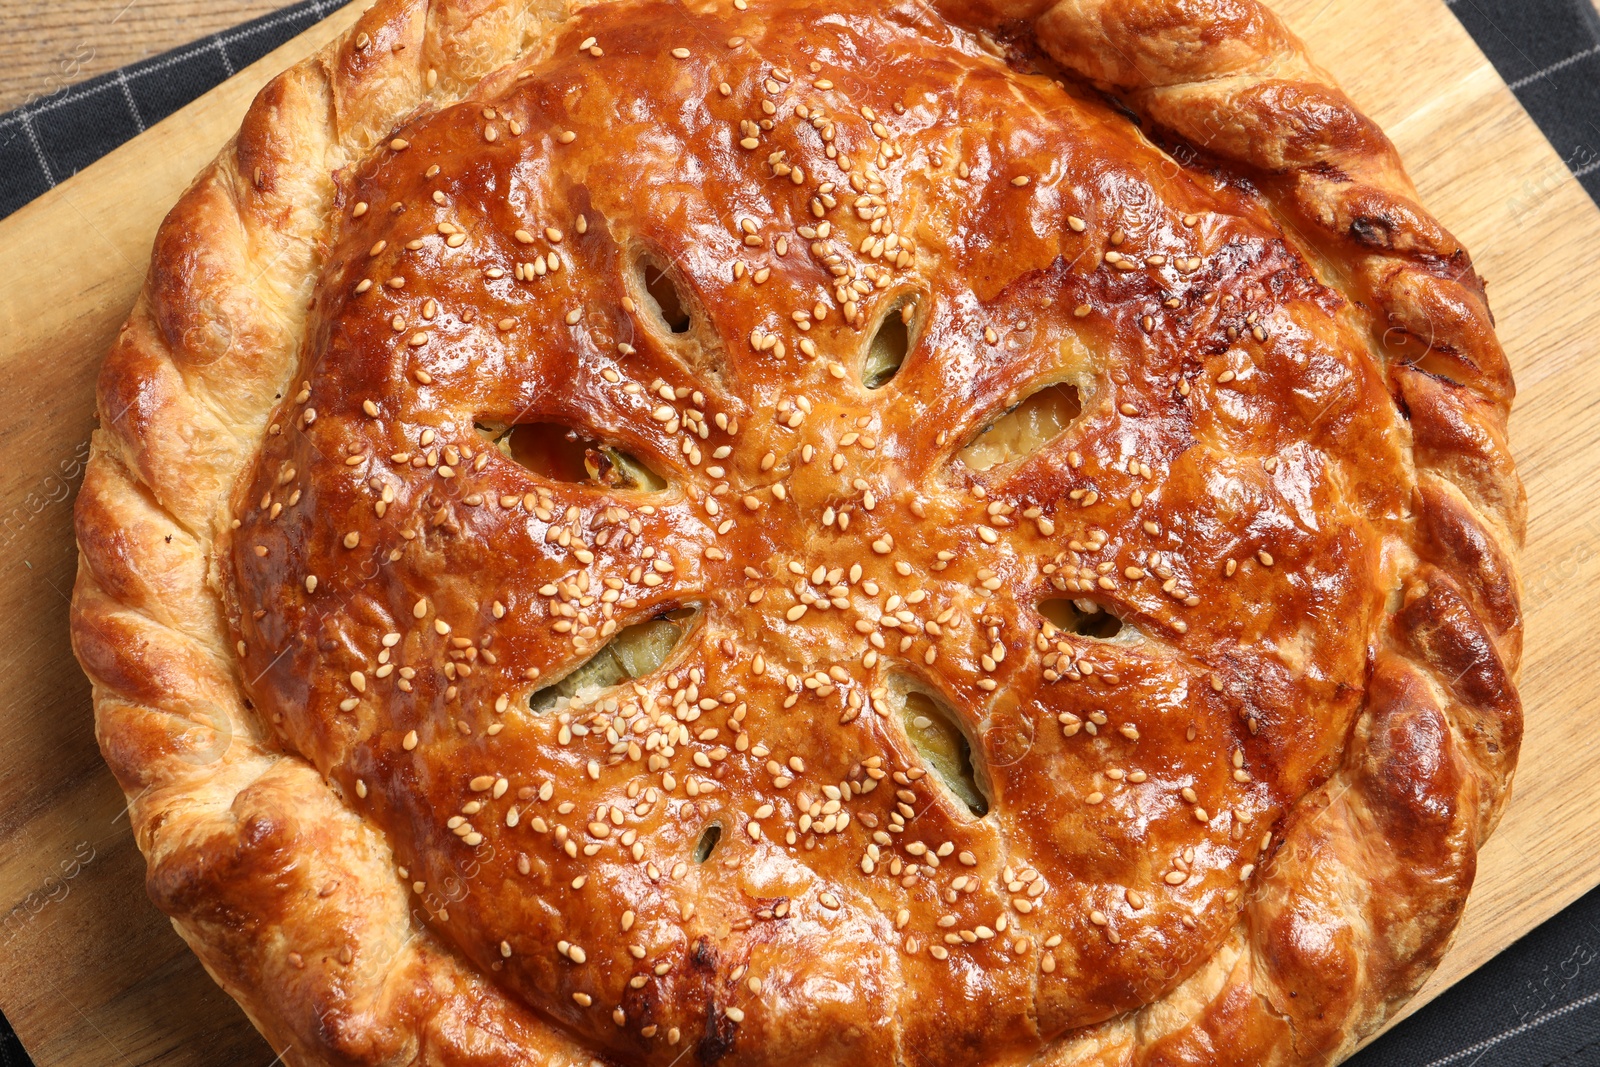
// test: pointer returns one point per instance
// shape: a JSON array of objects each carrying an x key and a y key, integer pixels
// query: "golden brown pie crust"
[{"x": 314, "y": 597}]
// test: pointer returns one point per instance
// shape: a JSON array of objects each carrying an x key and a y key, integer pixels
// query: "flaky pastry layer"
[{"x": 1230, "y": 645}]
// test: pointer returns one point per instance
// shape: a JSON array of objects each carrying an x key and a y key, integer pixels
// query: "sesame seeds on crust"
[{"x": 422, "y": 585}]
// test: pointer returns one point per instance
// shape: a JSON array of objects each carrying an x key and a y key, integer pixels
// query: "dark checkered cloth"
[
  {"x": 52, "y": 138},
  {"x": 1535, "y": 1005}
]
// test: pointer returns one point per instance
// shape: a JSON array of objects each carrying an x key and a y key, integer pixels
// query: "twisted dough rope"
[
  {"x": 249, "y": 850},
  {"x": 1362, "y": 896},
  {"x": 1368, "y": 885}
]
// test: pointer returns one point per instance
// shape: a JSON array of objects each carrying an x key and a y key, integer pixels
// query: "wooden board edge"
[
  {"x": 23, "y": 227},
  {"x": 42, "y": 283}
]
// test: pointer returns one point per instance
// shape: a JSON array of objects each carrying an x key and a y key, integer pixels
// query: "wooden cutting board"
[{"x": 91, "y": 974}]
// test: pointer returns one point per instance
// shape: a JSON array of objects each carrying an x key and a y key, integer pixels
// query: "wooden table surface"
[
  {"x": 47, "y": 45},
  {"x": 92, "y": 975}
]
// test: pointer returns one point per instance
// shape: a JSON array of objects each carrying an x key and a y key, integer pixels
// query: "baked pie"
[{"x": 772, "y": 532}]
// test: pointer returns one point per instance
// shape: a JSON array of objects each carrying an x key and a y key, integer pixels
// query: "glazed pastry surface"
[{"x": 805, "y": 534}]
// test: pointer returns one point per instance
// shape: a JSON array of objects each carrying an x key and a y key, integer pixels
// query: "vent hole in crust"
[
  {"x": 944, "y": 748},
  {"x": 668, "y": 311},
  {"x": 1026, "y": 428},
  {"x": 562, "y": 454},
  {"x": 886, "y": 352},
  {"x": 662, "y": 292},
  {"x": 707, "y": 843},
  {"x": 634, "y": 652},
  {"x": 1082, "y": 617}
]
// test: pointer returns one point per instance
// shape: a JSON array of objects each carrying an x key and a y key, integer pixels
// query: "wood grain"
[
  {"x": 48, "y": 46},
  {"x": 91, "y": 974},
  {"x": 1482, "y": 166}
]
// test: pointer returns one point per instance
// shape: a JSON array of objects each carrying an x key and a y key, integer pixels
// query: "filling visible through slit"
[
  {"x": 1025, "y": 429},
  {"x": 707, "y": 843},
  {"x": 1082, "y": 617},
  {"x": 634, "y": 652},
  {"x": 663, "y": 292},
  {"x": 887, "y": 350},
  {"x": 561, "y": 454},
  {"x": 943, "y": 746}
]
